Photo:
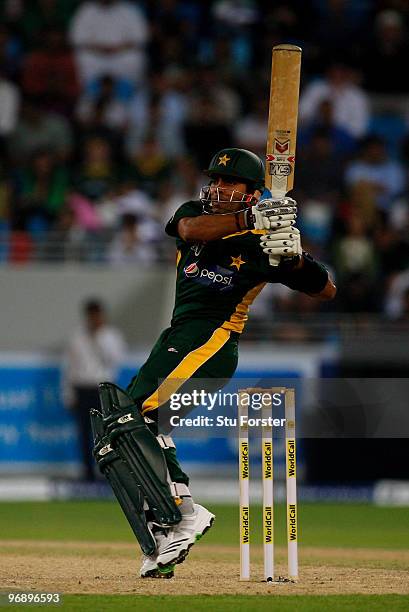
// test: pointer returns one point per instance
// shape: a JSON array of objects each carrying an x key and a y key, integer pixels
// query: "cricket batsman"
[{"x": 223, "y": 240}]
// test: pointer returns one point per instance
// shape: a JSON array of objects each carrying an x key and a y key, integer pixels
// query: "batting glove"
[
  {"x": 286, "y": 243},
  {"x": 273, "y": 214}
]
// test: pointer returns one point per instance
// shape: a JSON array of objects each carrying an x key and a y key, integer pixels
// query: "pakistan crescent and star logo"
[
  {"x": 223, "y": 159},
  {"x": 236, "y": 261}
]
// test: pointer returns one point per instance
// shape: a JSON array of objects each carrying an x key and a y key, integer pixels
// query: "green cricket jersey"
[{"x": 218, "y": 280}]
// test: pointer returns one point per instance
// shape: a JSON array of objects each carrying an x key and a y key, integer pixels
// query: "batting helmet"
[{"x": 238, "y": 163}]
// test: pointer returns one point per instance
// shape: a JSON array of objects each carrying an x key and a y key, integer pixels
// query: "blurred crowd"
[{"x": 110, "y": 110}]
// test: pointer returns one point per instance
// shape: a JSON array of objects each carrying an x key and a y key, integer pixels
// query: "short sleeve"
[{"x": 189, "y": 209}]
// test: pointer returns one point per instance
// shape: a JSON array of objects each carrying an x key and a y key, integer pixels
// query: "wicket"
[{"x": 268, "y": 483}]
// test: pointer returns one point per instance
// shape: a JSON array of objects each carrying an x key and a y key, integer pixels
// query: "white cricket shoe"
[
  {"x": 150, "y": 568},
  {"x": 175, "y": 547}
]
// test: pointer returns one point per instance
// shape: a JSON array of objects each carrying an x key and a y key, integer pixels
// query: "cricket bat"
[{"x": 282, "y": 122}]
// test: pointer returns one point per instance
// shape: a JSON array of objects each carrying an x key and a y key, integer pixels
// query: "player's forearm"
[
  {"x": 206, "y": 228},
  {"x": 328, "y": 293},
  {"x": 312, "y": 278}
]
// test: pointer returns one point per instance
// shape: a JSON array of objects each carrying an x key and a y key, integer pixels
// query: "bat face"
[{"x": 282, "y": 119}]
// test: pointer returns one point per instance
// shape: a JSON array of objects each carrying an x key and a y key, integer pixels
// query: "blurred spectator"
[
  {"x": 212, "y": 108},
  {"x": 392, "y": 238},
  {"x": 109, "y": 37},
  {"x": 129, "y": 199},
  {"x": 390, "y": 125},
  {"x": 107, "y": 100},
  {"x": 319, "y": 169},
  {"x": 93, "y": 355},
  {"x": 295, "y": 310},
  {"x": 184, "y": 185},
  {"x": 10, "y": 52},
  {"x": 235, "y": 13},
  {"x": 49, "y": 71},
  {"x": 161, "y": 108},
  {"x": 176, "y": 29},
  {"x": 21, "y": 248},
  {"x": 349, "y": 102},
  {"x": 404, "y": 314},
  {"x": 355, "y": 252},
  {"x": 38, "y": 15},
  {"x": 358, "y": 294},
  {"x": 205, "y": 131},
  {"x": 9, "y": 107},
  {"x": 96, "y": 176},
  {"x": 128, "y": 246},
  {"x": 41, "y": 190},
  {"x": 95, "y": 127},
  {"x": 360, "y": 200},
  {"x": 342, "y": 141},
  {"x": 149, "y": 167},
  {"x": 5, "y": 192},
  {"x": 225, "y": 97},
  {"x": 39, "y": 130},
  {"x": 250, "y": 130},
  {"x": 386, "y": 53},
  {"x": 373, "y": 167},
  {"x": 86, "y": 215},
  {"x": 392, "y": 248},
  {"x": 397, "y": 296},
  {"x": 337, "y": 24},
  {"x": 171, "y": 52},
  {"x": 398, "y": 217},
  {"x": 234, "y": 22},
  {"x": 66, "y": 241},
  {"x": 319, "y": 183}
]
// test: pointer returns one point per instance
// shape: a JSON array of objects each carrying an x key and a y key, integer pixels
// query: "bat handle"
[{"x": 274, "y": 260}]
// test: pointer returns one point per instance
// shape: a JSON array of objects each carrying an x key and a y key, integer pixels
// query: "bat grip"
[{"x": 274, "y": 260}]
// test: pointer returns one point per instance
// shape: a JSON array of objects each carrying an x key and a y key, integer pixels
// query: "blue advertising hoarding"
[{"x": 38, "y": 433}]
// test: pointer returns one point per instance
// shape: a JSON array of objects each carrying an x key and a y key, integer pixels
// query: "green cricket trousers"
[{"x": 194, "y": 349}]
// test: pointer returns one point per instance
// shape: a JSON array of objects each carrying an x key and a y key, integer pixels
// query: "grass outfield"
[
  {"x": 339, "y": 525},
  {"x": 222, "y": 603},
  {"x": 352, "y": 557}
]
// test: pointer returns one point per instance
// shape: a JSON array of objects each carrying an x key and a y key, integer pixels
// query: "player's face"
[{"x": 227, "y": 194}]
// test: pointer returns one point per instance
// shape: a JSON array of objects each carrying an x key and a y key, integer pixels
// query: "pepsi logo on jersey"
[{"x": 213, "y": 275}]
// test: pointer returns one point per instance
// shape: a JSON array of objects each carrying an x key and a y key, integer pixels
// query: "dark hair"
[
  {"x": 93, "y": 306},
  {"x": 371, "y": 139},
  {"x": 129, "y": 220}
]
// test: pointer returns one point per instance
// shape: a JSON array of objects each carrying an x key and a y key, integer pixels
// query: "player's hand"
[
  {"x": 274, "y": 214},
  {"x": 282, "y": 243}
]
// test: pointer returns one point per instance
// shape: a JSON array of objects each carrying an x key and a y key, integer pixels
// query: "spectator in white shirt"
[
  {"x": 349, "y": 102},
  {"x": 93, "y": 355},
  {"x": 129, "y": 246},
  {"x": 109, "y": 37}
]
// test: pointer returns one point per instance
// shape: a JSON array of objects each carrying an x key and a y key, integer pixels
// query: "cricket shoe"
[
  {"x": 149, "y": 567},
  {"x": 175, "y": 547}
]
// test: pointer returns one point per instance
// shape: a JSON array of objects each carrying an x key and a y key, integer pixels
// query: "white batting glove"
[
  {"x": 283, "y": 243},
  {"x": 273, "y": 214}
]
